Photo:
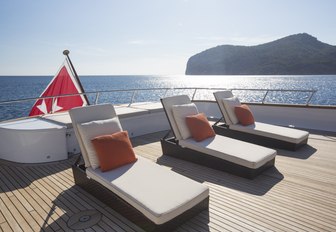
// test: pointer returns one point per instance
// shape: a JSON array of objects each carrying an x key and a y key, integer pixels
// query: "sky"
[{"x": 145, "y": 37}]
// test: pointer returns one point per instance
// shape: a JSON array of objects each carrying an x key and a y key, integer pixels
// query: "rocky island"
[{"x": 300, "y": 54}]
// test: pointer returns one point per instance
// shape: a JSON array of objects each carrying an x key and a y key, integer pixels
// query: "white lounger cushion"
[
  {"x": 157, "y": 192},
  {"x": 235, "y": 151},
  {"x": 180, "y": 113},
  {"x": 219, "y": 96},
  {"x": 167, "y": 104},
  {"x": 90, "y": 130},
  {"x": 276, "y": 132},
  {"x": 229, "y": 106},
  {"x": 87, "y": 114}
]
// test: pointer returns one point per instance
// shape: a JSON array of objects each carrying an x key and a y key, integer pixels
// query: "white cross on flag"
[{"x": 64, "y": 82}]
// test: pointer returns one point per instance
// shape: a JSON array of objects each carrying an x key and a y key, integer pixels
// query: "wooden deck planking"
[
  {"x": 264, "y": 205},
  {"x": 38, "y": 200},
  {"x": 74, "y": 201},
  {"x": 299, "y": 194},
  {"x": 269, "y": 212},
  {"x": 286, "y": 214}
]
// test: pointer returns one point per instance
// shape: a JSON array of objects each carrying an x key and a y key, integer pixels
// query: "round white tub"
[{"x": 32, "y": 140}]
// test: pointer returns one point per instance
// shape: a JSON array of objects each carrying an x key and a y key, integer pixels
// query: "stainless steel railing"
[
  {"x": 165, "y": 91},
  {"x": 267, "y": 91},
  {"x": 11, "y": 109}
]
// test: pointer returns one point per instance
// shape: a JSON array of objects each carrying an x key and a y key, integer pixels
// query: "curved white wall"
[{"x": 32, "y": 141}]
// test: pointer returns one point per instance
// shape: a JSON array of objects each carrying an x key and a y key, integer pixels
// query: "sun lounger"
[
  {"x": 153, "y": 197},
  {"x": 259, "y": 133},
  {"x": 218, "y": 152}
]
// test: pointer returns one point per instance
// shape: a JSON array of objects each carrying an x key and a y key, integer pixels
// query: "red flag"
[{"x": 64, "y": 82}]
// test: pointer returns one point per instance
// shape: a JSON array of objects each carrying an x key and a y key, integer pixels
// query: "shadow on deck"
[{"x": 15, "y": 176}]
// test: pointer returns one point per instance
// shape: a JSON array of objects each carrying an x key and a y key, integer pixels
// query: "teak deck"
[{"x": 299, "y": 194}]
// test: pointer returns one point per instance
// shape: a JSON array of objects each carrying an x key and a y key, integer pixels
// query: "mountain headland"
[{"x": 300, "y": 54}]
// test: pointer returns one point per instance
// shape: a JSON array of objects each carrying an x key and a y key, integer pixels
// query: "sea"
[{"x": 23, "y": 87}]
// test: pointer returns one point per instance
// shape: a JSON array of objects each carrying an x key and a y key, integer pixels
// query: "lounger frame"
[
  {"x": 125, "y": 209},
  {"x": 171, "y": 147},
  {"x": 223, "y": 129}
]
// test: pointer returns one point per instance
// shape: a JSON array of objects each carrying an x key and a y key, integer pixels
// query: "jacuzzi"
[{"x": 32, "y": 140}]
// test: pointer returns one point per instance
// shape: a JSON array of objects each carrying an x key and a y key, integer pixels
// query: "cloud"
[
  {"x": 235, "y": 40},
  {"x": 137, "y": 42},
  {"x": 253, "y": 40},
  {"x": 144, "y": 42}
]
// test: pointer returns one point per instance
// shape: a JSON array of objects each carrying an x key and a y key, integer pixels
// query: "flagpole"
[{"x": 66, "y": 53}]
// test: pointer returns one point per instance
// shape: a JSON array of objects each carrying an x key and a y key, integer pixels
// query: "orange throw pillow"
[
  {"x": 244, "y": 115},
  {"x": 199, "y": 127},
  {"x": 114, "y": 150}
]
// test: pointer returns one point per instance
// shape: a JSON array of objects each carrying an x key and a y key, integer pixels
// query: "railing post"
[
  {"x": 96, "y": 99},
  {"x": 193, "y": 97},
  {"x": 165, "y": 94},
  {"x": 52, "y": 106},
  {"x": 132, "y": 99},
  {"x": 263, "y": 100},
  {"x": 310, "y": 97}
]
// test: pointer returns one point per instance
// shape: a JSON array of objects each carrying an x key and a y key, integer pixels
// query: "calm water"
[{"x": 31, "y": 86}]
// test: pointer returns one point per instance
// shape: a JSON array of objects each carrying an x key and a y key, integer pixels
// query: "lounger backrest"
[
  {"x": 219, "y": 96},
  {"x": 167, "y": 104},
  {"x": 86, "y": 114}
]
